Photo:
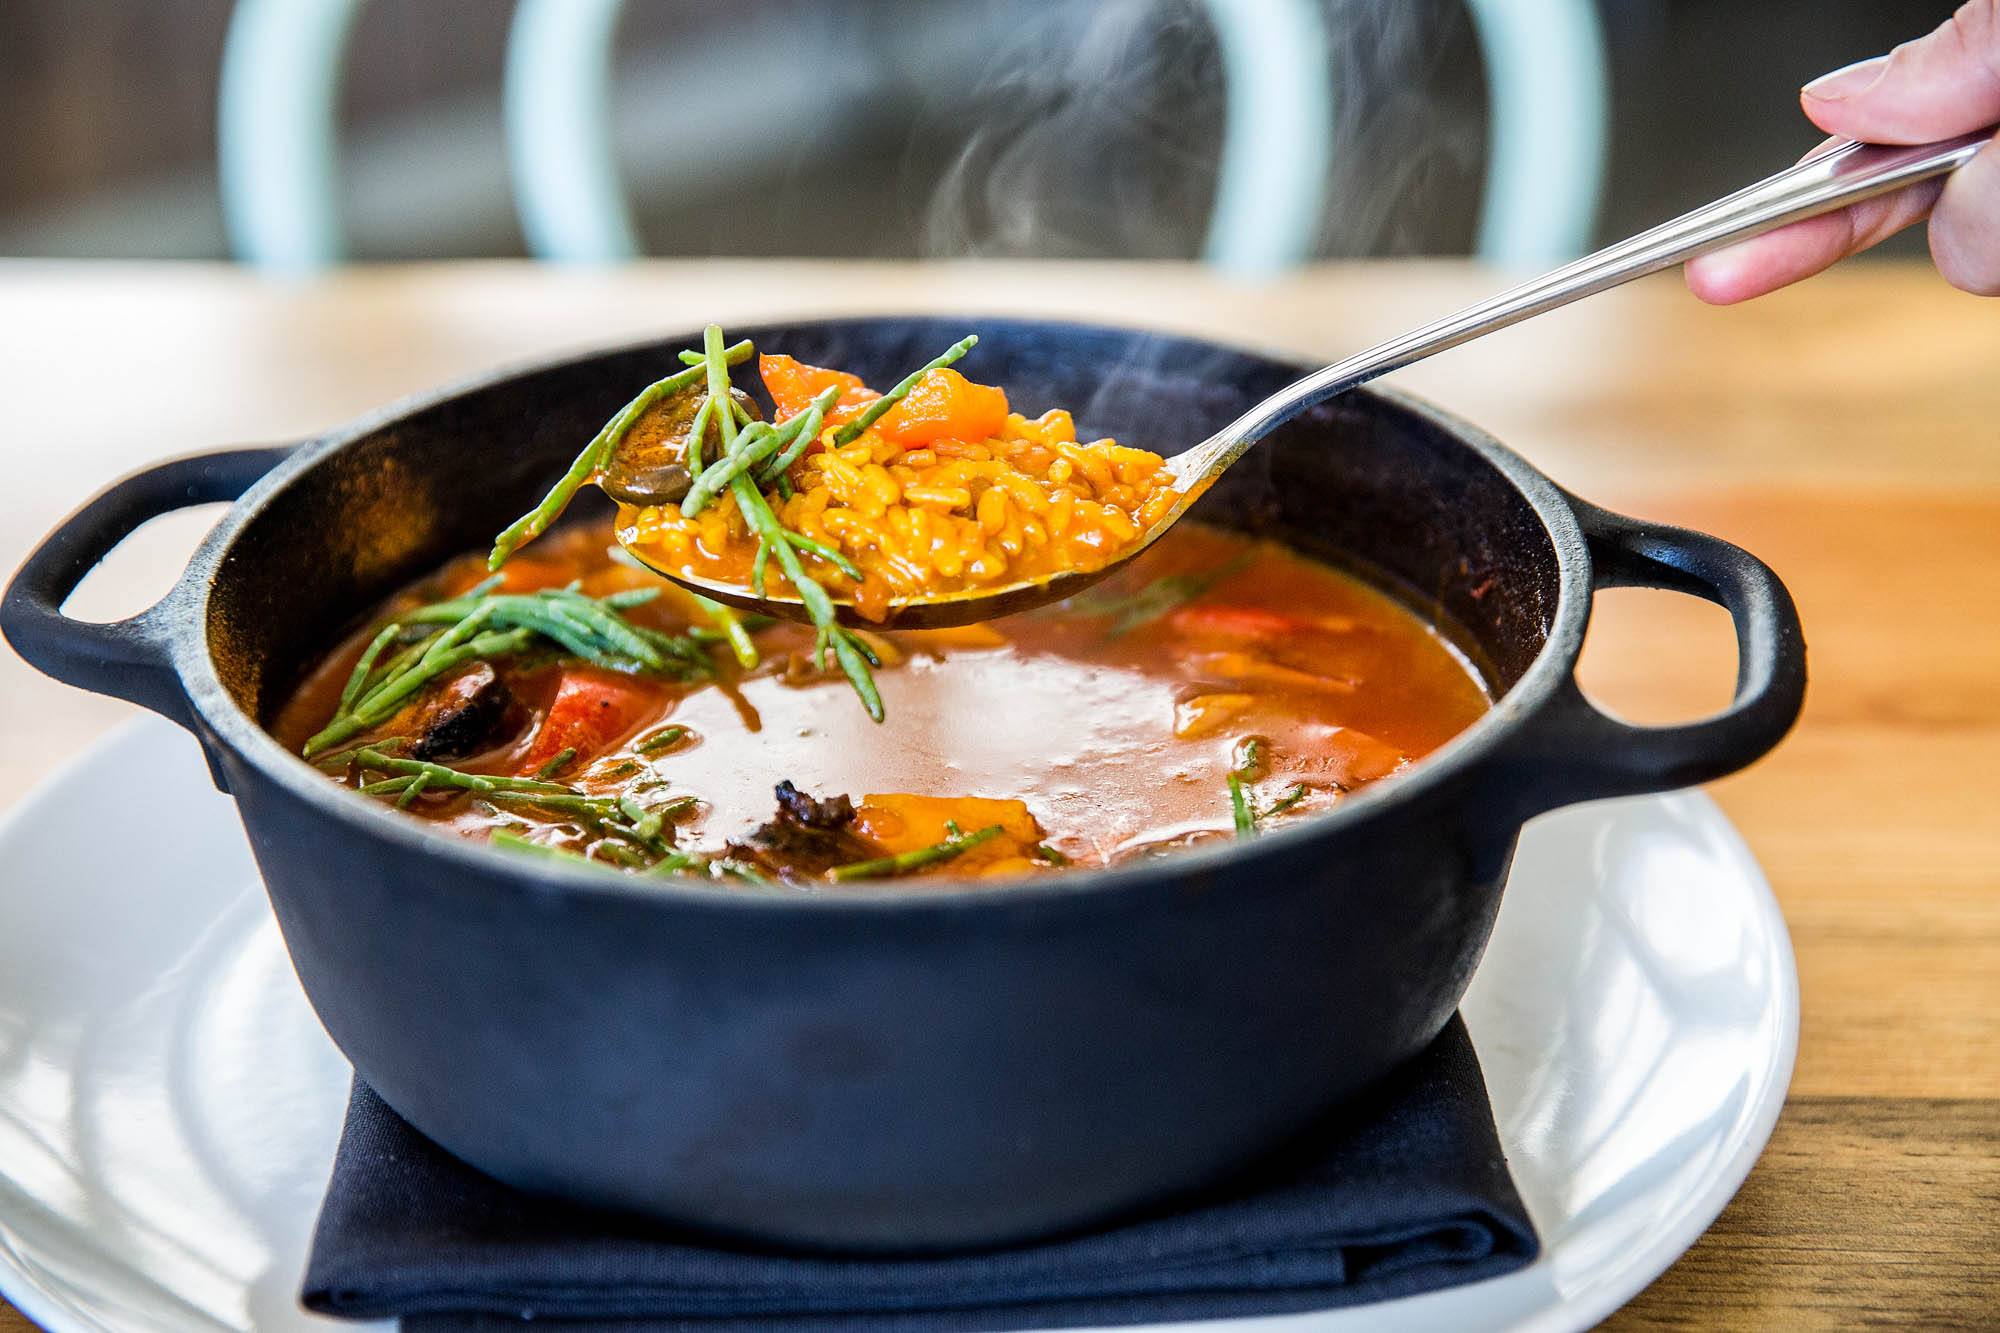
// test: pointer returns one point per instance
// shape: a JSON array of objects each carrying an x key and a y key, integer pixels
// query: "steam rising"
[
  {"x": 1096, "y": 131},
  {"x": 1076, "y": 115}
]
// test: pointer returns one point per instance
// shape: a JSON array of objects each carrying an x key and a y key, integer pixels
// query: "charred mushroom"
[
  {"x": 472, "y": 711},
  {"x": 807, "y": 838},
  {"x": 649, "y": 466}
]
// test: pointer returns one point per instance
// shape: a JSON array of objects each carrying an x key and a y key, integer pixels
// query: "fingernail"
[{"x": 1846, "y": 81}]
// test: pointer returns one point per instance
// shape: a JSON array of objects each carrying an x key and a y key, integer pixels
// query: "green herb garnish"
[
  {"x": 772, "y": 536},
  {"x": 365, "y": 666},
  {"x": 1285, "y": 802},
  {"x": 1249, "y": 762},
  {"x": 558, "y": 763},
  {"x": 904, "y": 862},
  {"x": 413, "y": 791},
  {"x": 1248, "y": 758},
  {"x": 404, "y": 679},
  {"x": 595, "y": 454},
  {"x": 484, "y": 625},
  {"x": 661, "y": 739},
  {"x": 757, "y": 445},
  {"x": 587, "y": 627},
  {"x": 622, "y": 816},
  {"x": 509, "y": 840},
  {"x": 339, "y": 758},
  {"x": 730, "y": 624},
  {"x": 1240, "y": 807}
]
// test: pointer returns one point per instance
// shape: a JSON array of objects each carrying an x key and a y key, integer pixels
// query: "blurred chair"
[
  {"x": 557, "y": 104},
  {"x": 1548, "y": 121},
  {"x": 278, "y": 152},
  {"x": 1547, "y": 116},
  {"x": 1277, "y": 134}
]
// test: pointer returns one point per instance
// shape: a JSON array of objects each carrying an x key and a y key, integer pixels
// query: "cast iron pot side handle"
[
  {"x": 1581, "y": 753},
  {"x": 126, "y": 658}
]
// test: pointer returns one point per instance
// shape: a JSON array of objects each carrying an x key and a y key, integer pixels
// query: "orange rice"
[{"x": 920, "y": 510}]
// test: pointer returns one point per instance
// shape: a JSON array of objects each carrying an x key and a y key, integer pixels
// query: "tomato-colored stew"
[{"x": 579, "y": 706}]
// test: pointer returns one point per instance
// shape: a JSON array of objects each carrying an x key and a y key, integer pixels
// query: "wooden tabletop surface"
[{"x": 1847, "y": 431}]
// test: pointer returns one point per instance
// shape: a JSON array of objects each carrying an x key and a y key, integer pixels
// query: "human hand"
[{"x": 1933, "y": 88}]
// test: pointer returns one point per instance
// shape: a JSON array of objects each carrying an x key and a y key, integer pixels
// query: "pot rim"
[{"x": 225, "y": 720}]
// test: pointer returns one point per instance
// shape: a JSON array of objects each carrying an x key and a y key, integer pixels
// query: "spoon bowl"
[
  {"x": 1191, "y": 472},
  {"x": 945, "y": 611}
]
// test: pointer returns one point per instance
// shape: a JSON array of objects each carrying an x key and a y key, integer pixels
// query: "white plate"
[{"x": 169, "y": 1106}]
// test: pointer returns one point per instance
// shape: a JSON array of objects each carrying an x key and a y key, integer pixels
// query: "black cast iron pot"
[{"x": 916, "y": 1066}]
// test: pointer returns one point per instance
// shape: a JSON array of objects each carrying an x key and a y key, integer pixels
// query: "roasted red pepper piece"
[
  {"x": 944, "y": 405},
  {"x": 591, "y": 711},
  {"x": 794, "y": 384}
]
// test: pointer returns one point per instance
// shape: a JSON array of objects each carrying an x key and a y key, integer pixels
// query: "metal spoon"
[{"x": 1843, "y": 175}]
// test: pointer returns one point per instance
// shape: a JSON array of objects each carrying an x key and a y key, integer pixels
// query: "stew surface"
[{"x": 1216, "y": 686}]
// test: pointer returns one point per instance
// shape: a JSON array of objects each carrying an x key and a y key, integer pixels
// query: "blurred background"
[{"x": 1256, "y": 133}]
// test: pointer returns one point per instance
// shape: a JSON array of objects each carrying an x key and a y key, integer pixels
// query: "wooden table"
[{"x": 1849, "y": 432}]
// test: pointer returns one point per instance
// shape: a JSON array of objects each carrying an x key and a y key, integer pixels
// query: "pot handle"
[
  {"x": 1582, "y": 753},
  {"x": 127, "y": 658}
]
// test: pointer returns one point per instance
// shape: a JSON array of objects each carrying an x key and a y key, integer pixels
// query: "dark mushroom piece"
[
  {"x": 470, "y": 712},
  {"x": 806, "y": 839},
  {"x": 649, "y": 466}
]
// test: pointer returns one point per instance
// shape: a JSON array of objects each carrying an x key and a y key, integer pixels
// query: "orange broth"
[{"x": 1085, "y": 733}]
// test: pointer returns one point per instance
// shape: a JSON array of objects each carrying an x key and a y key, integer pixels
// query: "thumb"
[{"x": 1937, "y": 86}]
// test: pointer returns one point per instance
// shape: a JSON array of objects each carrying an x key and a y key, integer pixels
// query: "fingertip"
[
  {"x": 1711, "y": 281},
  {"x": 1931, "y": 88},
  {"x": 1827, "y": 117},
  {"x": 1874, "y": 118},
  {"x": 1848, "y": 81},
  {"x": 1966, "y": 275},
  {"x": 1732, "y": 275},
  {"x": 1765, "y": 263},
  {"x": 1965, "y": 228}
]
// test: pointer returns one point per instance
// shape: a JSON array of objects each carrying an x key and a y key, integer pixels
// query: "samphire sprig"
[
  {"x": 482, "y": 624},
  {"x": 697, "y": 864},
  {"x": 775, "y": 540},
  {"x": 595, "y": 454},
  {"x": 902, "y": 863},
  {"x": 592, "y": 628},
  {"x": 1248, "y": 765},
  {"x": 629, "y": 832},
  {"x": 757, "y": 445}
]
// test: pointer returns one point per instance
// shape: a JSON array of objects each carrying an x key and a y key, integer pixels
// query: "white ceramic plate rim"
[{"x": 1700, "y": 1210}]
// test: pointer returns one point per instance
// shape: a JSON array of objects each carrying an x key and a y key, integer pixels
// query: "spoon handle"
[{"x": 1842, "y": 175}]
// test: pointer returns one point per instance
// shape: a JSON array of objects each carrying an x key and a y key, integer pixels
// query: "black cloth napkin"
[{"x": 1407, "y": 1193}]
